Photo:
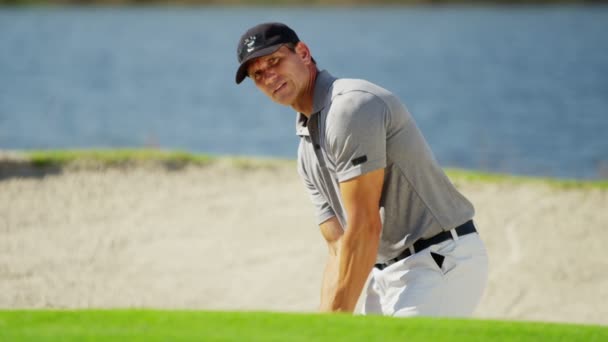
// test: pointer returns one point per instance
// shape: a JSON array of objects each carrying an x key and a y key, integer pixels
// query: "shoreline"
[{"x": 38, "y": 163}]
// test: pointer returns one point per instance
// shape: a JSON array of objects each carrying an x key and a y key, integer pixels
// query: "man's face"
[{"x": 282, "y": 75}]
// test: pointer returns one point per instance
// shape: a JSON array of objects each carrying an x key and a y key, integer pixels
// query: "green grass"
[
  {"x": 155, "y": 325},
  {"x": 126, "y": 157},
  {"x": 177, "y": 159},
  {"x": 486, "y": 177},
  {"x": 114, "y": 157}
]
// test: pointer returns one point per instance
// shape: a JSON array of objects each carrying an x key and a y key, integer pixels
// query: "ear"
[{"x": 303, "y": 52}]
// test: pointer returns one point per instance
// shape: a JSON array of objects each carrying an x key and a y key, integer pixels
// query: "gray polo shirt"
[{"x": 358, "y": 127}]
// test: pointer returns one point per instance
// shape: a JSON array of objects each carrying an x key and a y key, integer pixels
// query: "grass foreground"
[
  {"x": 158, "y": 325},
  {"x": 177, "y": 159}
]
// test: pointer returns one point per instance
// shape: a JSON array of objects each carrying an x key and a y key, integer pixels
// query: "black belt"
[{"x": 420, "y": 244}]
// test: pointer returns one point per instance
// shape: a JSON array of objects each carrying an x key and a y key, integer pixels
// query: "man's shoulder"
[
  {"x": 354, "y": 87},
  {"x": 350, "y": 96}
]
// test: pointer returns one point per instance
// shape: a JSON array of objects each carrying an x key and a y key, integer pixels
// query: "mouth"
[{"x": 277, "y": 89}]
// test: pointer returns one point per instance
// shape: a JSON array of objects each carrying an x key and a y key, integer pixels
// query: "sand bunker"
[{"x": 237, "y": 238}]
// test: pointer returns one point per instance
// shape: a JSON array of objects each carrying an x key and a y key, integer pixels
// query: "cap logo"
[{"x": 250, "y": 43}]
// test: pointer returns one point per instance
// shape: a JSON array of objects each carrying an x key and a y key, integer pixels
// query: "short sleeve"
[
  {"x": 356, "y": 134},
  {"x": 323, "y": 210}
]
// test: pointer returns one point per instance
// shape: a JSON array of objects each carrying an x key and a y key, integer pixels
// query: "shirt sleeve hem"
[
  {"x": 324, "y": 216},
  {"x": 361, "y": 170}
]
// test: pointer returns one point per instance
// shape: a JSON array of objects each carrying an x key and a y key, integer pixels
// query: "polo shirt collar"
[{"x": 322, "y": 84}]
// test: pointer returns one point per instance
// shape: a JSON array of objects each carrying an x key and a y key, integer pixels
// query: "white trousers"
[{"x": 418, "y": 286}]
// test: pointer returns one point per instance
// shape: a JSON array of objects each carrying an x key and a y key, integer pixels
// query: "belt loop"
[
  {"x": 454, "y": 234},
  {"x": 412, "y": 250}
]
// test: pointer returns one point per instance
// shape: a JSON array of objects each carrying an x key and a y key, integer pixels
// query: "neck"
[{"x": 305, "y": 102}]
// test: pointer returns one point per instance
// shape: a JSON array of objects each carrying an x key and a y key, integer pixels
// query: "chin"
[{"x": 283, "y": 100}]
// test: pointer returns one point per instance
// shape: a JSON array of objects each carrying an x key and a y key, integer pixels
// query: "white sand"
[{"x": 227, "y": 238}]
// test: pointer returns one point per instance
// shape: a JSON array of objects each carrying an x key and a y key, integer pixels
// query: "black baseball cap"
[{"x": 261, "y": 40}]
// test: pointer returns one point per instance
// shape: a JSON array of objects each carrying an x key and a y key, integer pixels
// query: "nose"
[{"x": 270, "y": 76}]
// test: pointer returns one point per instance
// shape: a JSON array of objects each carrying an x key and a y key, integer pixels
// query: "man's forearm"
[
  {"x": 330, "y": 282},
  {"x": 357, "y": 256},
  {"x": 332, "y": 231}
]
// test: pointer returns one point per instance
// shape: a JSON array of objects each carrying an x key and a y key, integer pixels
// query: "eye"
[
  {"x": 257, "y": 75},
  {"x": 273, "y": 61}
]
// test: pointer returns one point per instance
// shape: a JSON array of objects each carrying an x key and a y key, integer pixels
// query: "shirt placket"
[
  {"x": 328, "y": 180},
  {"x": 313, "y": 129}
]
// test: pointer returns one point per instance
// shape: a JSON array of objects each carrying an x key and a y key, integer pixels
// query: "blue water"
[{"x": 522, "y": 90}]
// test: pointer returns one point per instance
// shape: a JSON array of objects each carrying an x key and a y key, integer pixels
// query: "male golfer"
[{"x": 382, "y": 202}]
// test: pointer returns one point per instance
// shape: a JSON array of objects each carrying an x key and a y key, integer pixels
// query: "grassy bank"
[
  {"x": 487, "y": 177},
  {"x": 114, "y": 157},
  {"x": 178, "y": 159},
  {"x": 152, "y": 325},
  {"x": 134, "y": 157}
]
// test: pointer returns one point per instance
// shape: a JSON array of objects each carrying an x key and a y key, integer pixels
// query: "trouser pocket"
[{"x": 438, "y": 259}]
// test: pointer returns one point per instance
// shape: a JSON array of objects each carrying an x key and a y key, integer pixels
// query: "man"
[{"x": 383, "y": 203}]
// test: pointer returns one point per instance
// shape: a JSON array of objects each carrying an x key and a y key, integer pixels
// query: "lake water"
[{"x": 522, "y": 90}]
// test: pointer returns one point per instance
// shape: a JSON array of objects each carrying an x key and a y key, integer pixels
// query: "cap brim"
[{"x": 241, "y": 72}]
